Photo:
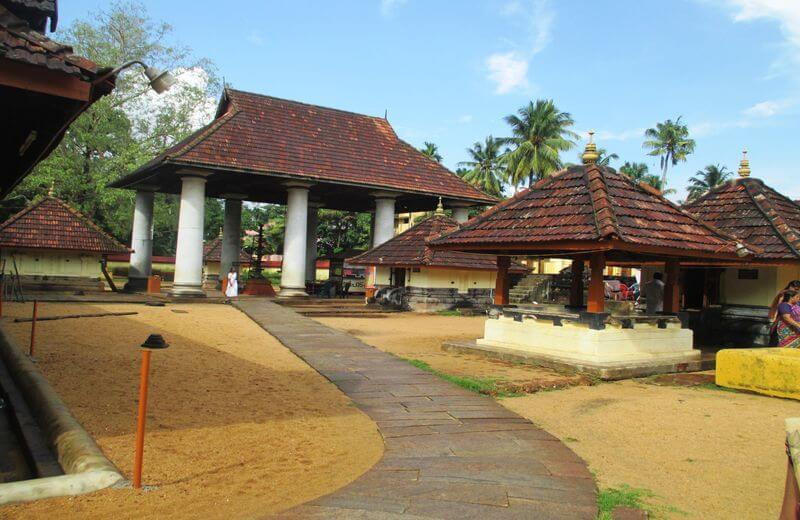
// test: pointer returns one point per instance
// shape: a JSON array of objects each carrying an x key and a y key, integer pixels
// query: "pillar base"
[
  {"x": 292, "y": 292},
  {"x": 136, "y": 285},
  {"x": 193, "y": 291}
]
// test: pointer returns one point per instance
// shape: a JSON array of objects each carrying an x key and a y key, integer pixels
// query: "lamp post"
[
  {"x": 153, "y": 342},
  {"x": 159, "y": 80}
]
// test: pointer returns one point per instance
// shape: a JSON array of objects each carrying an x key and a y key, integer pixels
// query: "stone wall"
[
  {"x": 732, "y": 326},
  {"x": 423, "y": 299}
]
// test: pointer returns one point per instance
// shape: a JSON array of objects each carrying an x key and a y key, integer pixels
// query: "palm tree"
[
  {"x": 485, "y": 170},
  {"x": 432, "y": 151},
  {"x": 704, "y": 180},
  {"x": 604, "y": 158},
  {"x": 669, "y": 141},
  {"x": 636, "y": 171},
  {"x": 540, "y": 133}
]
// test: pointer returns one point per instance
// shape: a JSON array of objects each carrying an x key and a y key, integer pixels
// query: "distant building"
[
  {"x": 52, "y": 246},
  {"x": 212, "y": 255}
]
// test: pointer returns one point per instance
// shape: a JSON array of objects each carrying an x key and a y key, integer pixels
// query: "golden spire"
[
  {"x": 220, "y": 232},
  {"x": 52, "y": 191},
  {"x": 590, "y": 154},
  {"x": 439, "y": 208},
  {"x": 744, "y": 166}
]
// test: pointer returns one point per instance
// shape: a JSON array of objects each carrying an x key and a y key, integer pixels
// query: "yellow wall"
[
  {"x": 55, "y": 263},
  {"x": 463, "y": 280},
  {"x": 758, "y": 292}
]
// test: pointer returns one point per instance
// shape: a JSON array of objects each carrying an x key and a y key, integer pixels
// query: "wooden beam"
[
  {"x": 597, "y": 287},
  {"x": 576, "y": 289},
  {"x": 672, "y": 287},
  {"x": 43, "y": 80},
  {"x": 502, "y": 282}
]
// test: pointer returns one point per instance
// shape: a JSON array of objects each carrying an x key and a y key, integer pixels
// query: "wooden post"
[
  {"x": 140, "y": 420},
  {"x": 33, "y": 327},
  {"x": 597, "y": 288},
  {"x": 502, "y": 282},
  {"x": 576, "y": 289},
  {"x": 672, "y": 287}
]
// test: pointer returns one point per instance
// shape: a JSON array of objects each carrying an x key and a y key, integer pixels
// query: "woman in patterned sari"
[{"x": 788, "y": 326}]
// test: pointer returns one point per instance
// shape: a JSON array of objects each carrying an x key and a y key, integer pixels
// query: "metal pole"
[
  {"x": 33, "y": 327},
  {"x": 143, "y": 379}
]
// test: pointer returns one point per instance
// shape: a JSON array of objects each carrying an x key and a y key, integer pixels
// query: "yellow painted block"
[{"x": 770, "y": 371}]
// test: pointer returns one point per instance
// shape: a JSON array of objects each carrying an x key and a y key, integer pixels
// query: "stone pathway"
[{"x": 449, "y": 453}]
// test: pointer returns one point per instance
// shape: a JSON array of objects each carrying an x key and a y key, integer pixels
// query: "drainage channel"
[{"x": 24, "y": 452}]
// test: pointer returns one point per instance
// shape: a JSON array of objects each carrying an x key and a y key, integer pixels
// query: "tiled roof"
[
  {"x": 52, "y": 224},
  {"x": 754, "y": 213},
  {"x": 265, "y": 135},
  {"x": 212, "y": 251},
  {"x": 19, "y": 42},
  {"x": 409, "y": 249},
  {"x": 586, "y": 206}
]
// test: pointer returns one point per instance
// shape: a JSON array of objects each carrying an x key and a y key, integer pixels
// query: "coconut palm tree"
[
  {"x": 670, "y": 142},
  {"x": 432, "y": 151},
  {"x": 704, "y": 180},
  {"x": 636, "y": 171},
  {"x": 540, "y": 133},
  {"x": 485, "y": 169}
]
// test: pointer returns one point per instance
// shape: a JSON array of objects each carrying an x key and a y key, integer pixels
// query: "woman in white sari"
[{"x": 232, "y": 289}]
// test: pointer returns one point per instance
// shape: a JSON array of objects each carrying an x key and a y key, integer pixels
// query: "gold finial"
[
  {"x": 744, "y": 166},
  {"x": 439, "y": 208},
  {"x": 52, "y": 191},
  {"x": 220, "y": 232},
  {"x": 590, "y": 154}
]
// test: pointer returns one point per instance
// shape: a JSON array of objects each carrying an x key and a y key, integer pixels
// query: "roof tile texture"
[{"x": 212, "y": 251}]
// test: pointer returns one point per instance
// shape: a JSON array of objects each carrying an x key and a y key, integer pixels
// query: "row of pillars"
[
  {"x": 299, "y": 247},
  {"x": 596, "y": 297}
]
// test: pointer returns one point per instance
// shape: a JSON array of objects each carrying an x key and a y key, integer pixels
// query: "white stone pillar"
[
  {"x": 231, "y": 236},
  {"x": 293, "y": 270},
  {"x": 311, "y": 242},
  {"x": 384, "y": 218},
  {"x": 189, "y": 252},
  {"x": 141, "y": 262},
  {"x": 461, "y": 214}
]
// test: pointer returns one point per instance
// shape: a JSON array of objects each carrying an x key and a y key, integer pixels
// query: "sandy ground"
[
  {"x": 238, "y": 426},
  {"x": 420, "y": 336},
  {"x": 710, "y": 453}
]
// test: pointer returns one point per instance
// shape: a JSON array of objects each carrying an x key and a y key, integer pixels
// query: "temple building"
[
  {"x": 732, "y": 301},
  {"x": 212, "y": 257},
  {"x": 50, "y": 245},
  {"x": 592, "y": 214},
  {"x": 433, "y": 280},
  {"x": 264, "y": 149}
]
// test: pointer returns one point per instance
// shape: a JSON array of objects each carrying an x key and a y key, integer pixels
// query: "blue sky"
[{"x": 449, "y": 71}]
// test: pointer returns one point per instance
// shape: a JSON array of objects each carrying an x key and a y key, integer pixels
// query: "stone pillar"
[
  {"x": 597, "y": 287},
  {"x": 311, "y": 242},
  {"x": 293, "y": 271},
  {"x": 189, "y": 251},
  {"x": 384, "y": 218},
  {"x": 502, "y": 282},
  {"x": 576, "y": 289},
  {"x": 672, "y": 287},
  {"x": 231, "y": 236},
  {"x": 141, "y": 263}
]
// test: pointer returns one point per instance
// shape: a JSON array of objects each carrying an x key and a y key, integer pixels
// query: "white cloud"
[
  {"x": 508, "y": 71},
  {"x": 388, "y": 6},
  {"x": 622, "y": 135},
  {"x": 768, "y": 108},
  {"x": 255, "y": 38},
  {"x": 466, "y": 118}
]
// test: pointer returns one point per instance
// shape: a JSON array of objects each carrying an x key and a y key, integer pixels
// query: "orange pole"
[
  {"x": 597, "y": 287},
  {"x": 143, "y": 379},
  {"x": 672, "y": 288},
  {"x": 33, "y": 326},
  {"x": 501, "y": 283}
]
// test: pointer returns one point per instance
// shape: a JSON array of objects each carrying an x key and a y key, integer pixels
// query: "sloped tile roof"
[
  {"x": 410, "y": 249},
  {"x": 754, "y": 213},
  {"x": 52, "y": 224},
  {"x": 260, "y": 134},
  {"x": 212, "y": 251},
  {"x": 590, "y": 205}
]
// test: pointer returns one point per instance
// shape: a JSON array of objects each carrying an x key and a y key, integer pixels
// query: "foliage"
[
  {"x": 670, "y": 141},
  {"x": 480, "y": 385},
  {"x": 339, "y": 231},
  {"x": 604, "y": 158},
  {"x": 540, "y": 133},
  {"x": 611, "y": 498},
  {"x": 126, "y": 128},
  {"x": 485, "y": 169},
  {"x": 638, "y": 172},
  {"x": 431, "y": 150},
  {"x": 704, "y": 180}
]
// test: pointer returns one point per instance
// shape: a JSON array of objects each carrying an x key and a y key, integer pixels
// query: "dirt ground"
[
  {"x": 238, "y": 427},
  {"x": 710, "y": 453}
]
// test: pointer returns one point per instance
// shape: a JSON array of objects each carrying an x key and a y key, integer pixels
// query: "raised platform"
[{"x": 769, "y": 371}]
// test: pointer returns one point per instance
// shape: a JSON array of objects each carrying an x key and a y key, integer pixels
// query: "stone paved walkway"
[{"x": 449, "y": 453}]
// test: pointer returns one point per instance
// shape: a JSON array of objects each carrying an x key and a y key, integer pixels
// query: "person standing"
[
  {"x": 654, "y": 294},
  {"x": 788, "y": 327},
  {"x": 232, "y": 289}
]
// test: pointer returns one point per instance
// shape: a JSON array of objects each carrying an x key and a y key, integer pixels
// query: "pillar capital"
[
  {"x": 147, "y": 188},
  {"x": 298, "y": 185},
  {"x": 383, "y": 194},
  {"x": 233, "y": 196},
  {"x": 190, "y": 172}
]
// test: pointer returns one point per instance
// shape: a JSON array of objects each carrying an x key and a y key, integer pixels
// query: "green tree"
[
  {"x": 706, "y": 179},
  {"x": 636, "y": 171},
  {"x": 340, "y": 231},
  {"x": 540, "y": 133},
  {"x": 129, "y": 127},
  {"x": 431, "y": 150},
  {"x": 485, "y": 169},
  {"x": 670, "y": 142}
]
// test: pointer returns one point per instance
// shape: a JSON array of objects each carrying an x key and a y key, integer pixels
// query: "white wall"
[
  {"x": 427, "y": 278},
  {"x": 759, "y": 292},
  {"x": 52, "y": 263}
]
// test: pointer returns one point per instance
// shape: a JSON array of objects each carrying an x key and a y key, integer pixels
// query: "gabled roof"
[
  {"x": 264, "y": 135},
  {"x": 52, "y": 224},
  {"x": 754, "y": 213},
  {"x": 212, "y": 251},
  {"x": 590, "y": 208},
  {"x": 410, "y": 249}
]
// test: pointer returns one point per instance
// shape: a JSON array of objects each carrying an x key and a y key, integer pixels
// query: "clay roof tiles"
[
  {"x": 212, "y": 251},
  {"x": 410, "y": 249},
  {"x": 754, "y": 213},
  {"x": 52, "y": 224}
]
